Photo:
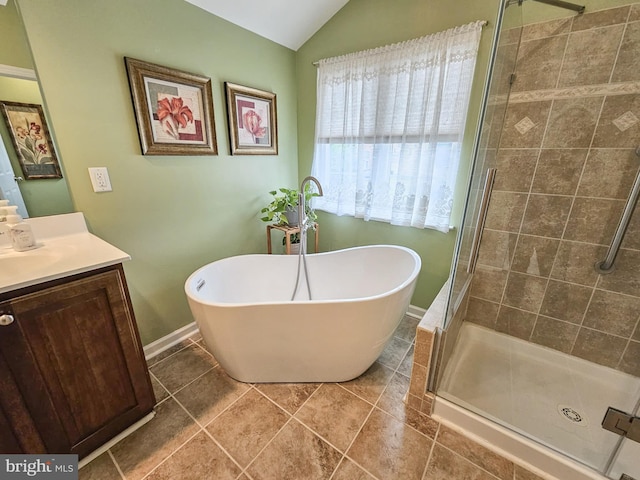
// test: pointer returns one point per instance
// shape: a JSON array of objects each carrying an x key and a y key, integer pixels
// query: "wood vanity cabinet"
[{"x": 72, "y": 368}]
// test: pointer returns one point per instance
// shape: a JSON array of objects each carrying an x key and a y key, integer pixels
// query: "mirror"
[{"x": 18, "y": 83}]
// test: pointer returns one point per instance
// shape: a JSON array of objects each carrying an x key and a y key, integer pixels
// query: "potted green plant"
[{"x": 283, "y": 209}]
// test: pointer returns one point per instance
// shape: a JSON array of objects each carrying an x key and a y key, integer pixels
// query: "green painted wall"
[
  {"x": 172, "y": 214},
  {"x": 42, "y": 197},
  {"x": 363, "y": 24},
  {"x": 14, "y": 50}
]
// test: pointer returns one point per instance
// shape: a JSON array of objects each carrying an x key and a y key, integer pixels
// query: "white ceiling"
[{"x": 287, "y": 22}]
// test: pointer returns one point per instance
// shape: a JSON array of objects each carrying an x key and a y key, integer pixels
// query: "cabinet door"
[{"x": 79, "y": 341}]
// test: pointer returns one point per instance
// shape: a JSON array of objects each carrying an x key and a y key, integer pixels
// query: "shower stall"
[{"x": 540, "y": 339}]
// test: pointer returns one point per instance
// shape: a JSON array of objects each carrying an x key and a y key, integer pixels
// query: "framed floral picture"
[
  {"x": 30, "y": 136},
  {"x": 173, "y": 109},
  {"x": 253, "y": 128}
]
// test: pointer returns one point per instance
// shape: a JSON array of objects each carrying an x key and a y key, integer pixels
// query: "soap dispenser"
[{"x": 20, "y": 232}]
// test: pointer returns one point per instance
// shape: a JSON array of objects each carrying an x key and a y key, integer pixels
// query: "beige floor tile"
[
  {"x": 289, "y": 396},
  {"x": 145, "y": 448},
  {"x": 210, "y": 394},
  {"x": 202, "y": 344},
  {"x": 407, "y": 362},
  {"x": 347, "y": 470},
  {"x": 200, "y": 458},
  {"x": 394, "y": 352},
  {"x": 392, "y": 402},
  {"x": 295, "y": 453},
  {"x": 247, "y": 426},
  {"x": 183, "y": 367},
  {"x": 102, "y": 468},
  {"x": 335, "y": 414},
  {"x": 389, "y": 449},
  {"x": 168, "y": 352},
  {"x": 407, "y": 328},
  {"x": 446, "y": 465},
  {"x": 371, "y": 383},
  {"x": 476, "y": 453}
]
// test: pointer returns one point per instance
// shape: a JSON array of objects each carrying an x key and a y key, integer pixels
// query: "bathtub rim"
[{"x": 412, "y": 277}]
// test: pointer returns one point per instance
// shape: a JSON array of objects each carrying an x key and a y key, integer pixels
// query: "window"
[{"x": 389, "y": 127}]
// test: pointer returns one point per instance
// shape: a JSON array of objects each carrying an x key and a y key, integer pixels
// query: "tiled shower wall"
[{"x": 565, "y": 165}]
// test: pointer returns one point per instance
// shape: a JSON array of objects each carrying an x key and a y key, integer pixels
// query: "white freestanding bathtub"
[{"x": 243, "y": 308}]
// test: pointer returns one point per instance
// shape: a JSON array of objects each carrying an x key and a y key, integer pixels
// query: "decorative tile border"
[{"x": 601, "y": 90}]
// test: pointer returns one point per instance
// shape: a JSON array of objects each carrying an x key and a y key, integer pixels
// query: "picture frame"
[
  {"x": 253, "y": 124},
  {"x": 29, "y": 134},
  {"x": 173, "y": 110}
]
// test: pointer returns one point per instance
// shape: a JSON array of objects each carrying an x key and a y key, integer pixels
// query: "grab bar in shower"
[
  {"x": 482, "y": 216},
  {"x": 606, "y": 266}
]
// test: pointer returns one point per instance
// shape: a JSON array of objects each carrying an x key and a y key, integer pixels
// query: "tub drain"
[{"x": 572, "y": 415}]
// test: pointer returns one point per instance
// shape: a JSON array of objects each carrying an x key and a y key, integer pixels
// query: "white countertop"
[{"x": 65, "y": 248}]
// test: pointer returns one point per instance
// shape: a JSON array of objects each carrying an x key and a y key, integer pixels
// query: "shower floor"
[{"x": 548, "y": 396}]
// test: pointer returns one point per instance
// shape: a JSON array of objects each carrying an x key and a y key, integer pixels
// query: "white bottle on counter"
[
  {"x": 20, "y": 232},
  {"x": 4, "y": 230}
]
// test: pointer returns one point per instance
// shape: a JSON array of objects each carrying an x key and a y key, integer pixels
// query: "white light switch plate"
[{"x": 100, "y": 179}]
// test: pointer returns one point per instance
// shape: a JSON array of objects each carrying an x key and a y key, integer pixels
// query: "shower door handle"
[{"x": 482, "y": 216}]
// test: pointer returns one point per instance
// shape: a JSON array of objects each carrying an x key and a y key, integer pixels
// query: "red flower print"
[
  {"x": 173, "y": 115},
  {"x": 34, "y": 128},
  {"x": 42, "y": 148}
]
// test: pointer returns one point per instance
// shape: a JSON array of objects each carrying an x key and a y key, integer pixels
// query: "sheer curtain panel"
[{"x": 389, "y": 128}]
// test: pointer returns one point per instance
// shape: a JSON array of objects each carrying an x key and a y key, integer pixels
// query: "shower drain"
[{"x": 572, "y": 415}]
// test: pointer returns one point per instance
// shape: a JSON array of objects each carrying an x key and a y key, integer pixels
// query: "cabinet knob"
[{"x": 6, "y": 320}]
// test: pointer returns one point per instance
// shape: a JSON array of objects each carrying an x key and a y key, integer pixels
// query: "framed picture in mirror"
[
  {"x": 173, "y": 109},
  {"x": 30, "y": 137},
  {"x": 253, "y": 126}
]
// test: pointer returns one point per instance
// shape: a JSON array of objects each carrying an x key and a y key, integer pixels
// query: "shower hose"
[{"x": 302, "y": 260}]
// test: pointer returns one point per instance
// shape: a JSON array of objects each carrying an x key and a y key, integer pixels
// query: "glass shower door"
[{"x": 548, "y": 343}]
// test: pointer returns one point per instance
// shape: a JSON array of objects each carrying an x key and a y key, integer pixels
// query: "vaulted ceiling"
[{"x": 287, "y": 22}]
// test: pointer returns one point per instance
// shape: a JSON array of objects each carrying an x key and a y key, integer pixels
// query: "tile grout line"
[
  {"x": 291, "y": 416},
  {"x": 433, "y": 444},
  {"x": 202, "y": 427},
  {"x": 113, "y": 459},
  {"x": 173, "y": 452},
  {"x": 373, "y": 408}
]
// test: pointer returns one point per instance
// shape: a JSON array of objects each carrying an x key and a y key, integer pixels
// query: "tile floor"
[{"x": 209, "y": 426}]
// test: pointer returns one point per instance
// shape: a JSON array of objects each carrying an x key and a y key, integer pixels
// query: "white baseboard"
[
  {"x": 416, "y": 312},
  {"x": 168, "y": 341},
  {"x": 100, "y": 450}
]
